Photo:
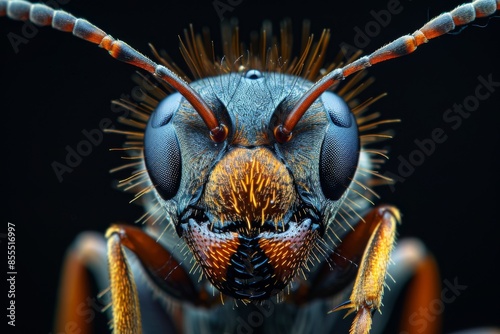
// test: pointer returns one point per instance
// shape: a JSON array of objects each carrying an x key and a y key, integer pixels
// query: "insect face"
[
  {"x": 246, "y": 207},
  {"x": 431, "y": 192}
]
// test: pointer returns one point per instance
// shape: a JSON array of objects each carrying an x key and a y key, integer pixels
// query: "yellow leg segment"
[
  {"x": 76, "y": 306},
  {"x": 124, "y": 297},
  {"x": 368, "y": 289}
]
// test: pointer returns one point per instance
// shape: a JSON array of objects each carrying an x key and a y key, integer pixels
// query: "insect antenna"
[
  {"x": 402, "y": 46},
  {"x": 43, "y": 15}
]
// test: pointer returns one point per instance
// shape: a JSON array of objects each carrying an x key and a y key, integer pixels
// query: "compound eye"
[
  {"x": 340, "y": 148},
  {"x": 161, "y": 148}
]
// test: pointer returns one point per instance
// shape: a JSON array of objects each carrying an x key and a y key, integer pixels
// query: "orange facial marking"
[
  {"x": 288, "y": 251},
  {"x": 251, "y": 186},
  {"x": 212, "y": 252}
]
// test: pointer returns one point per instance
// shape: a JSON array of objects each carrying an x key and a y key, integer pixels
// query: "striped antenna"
[
  {"x": 43, "y": 15},
  {"x": 440, "y": 25}
]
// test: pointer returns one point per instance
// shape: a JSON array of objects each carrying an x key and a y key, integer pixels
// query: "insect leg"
[
  {"x": 124, "y": 297},
  {"x": 415, "y": 265},
  {"x": 157, "y": 262},
  {"x": 87, "y": 253},
  {"x": 368, "y": 289},
  {"x": 414, "y": 276}
]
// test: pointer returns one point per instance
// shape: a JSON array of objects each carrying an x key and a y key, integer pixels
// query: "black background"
[{"x": 57, "y": 85}]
